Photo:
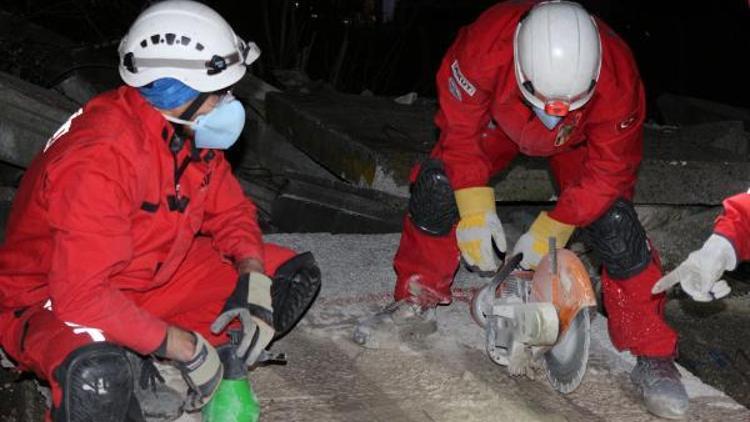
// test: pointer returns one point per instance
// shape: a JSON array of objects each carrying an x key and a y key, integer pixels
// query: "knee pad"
[
  {"x": 619, "y": 240},
  {"x": 294, "y": 288},
  {"x": 97, "y": 385},
  {"x": 432, "y": 206}
]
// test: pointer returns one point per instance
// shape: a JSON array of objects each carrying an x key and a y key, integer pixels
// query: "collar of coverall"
[{"x": 148, "y": 115}]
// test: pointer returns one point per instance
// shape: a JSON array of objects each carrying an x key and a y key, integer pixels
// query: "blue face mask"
[
  {"x": 220, "y": 128},
  {"x": 548, "y": 121}
]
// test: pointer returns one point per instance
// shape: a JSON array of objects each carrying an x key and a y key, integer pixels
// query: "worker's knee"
[
  {"x": 618, "y": 238},
  {"x": 432, "y": 205},
  {"x": 97, "y": 384}
]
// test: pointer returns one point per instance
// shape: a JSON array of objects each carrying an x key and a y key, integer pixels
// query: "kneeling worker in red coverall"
[
  {"x": 130, "y": 233},
  {"x": 543, "y": 79}
]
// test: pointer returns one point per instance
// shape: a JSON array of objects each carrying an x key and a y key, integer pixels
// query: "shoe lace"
[{"x": 150, "y": 375}]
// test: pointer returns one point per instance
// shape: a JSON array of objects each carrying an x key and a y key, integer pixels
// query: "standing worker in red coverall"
[
  {"x": 129, "y": 230},
  {"x": 543, "y": 79}
]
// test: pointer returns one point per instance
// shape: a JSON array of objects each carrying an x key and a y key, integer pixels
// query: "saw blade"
[{"x": 565, "y": 364}]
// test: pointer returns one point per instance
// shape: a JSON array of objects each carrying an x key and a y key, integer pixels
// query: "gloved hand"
[
  {"x": 251, "y": 302},
  {"x": 699, "y": 274},
  {"x": 202, "y": 373},
  {"x": 478, "y": 227},
  {"x": 534, "y": 244}
]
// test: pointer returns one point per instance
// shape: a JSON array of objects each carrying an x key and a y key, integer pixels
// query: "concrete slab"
[
  {"x": 29, "y": 115},
  {"x": 441, "y": 379},
  {"x": 373, "y": 141},
  {"x": 49, "y": 59},
  {"x": 365, "y": 140},
  {"x": 445, "y": 377},
  {"x": 681, "y": 110}
]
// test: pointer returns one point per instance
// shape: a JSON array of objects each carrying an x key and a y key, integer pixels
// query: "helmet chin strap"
[
  {"x": 193, "y": 107},
  {"x": 189, "y": 112}
]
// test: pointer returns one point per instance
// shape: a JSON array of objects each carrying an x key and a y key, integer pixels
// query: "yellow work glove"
[
  {"x": 478, "y": 227},
  {"x": 534, "y": 244}
]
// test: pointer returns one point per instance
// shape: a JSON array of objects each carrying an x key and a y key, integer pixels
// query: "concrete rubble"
[
  {"x": 681, "y": 110},
  {"x": 29, "y": 116},
  {"x": 372, "y": 141},
  {"x": 52, "y": 61}
]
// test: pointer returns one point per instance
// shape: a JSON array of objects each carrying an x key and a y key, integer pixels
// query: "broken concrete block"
[
  {"x": 29, "y": 115},
  {"x": 261, "y": 146},
  {"x": 680, "y": 110},
  {"x": 77, "y": 88},
  {"x": 306, "y": 206},
  {"x": 252, "y": 91},
  {"x": 690, "y": 182},
  {"x": 47, "y": 58},
  {"x": 713, "y": 141},
  {"x": 368, "y": 141},
  {"x": 373, "y": 142},
  {"x": 303, "y": 204},
  {"x": 21, "y": 400}
]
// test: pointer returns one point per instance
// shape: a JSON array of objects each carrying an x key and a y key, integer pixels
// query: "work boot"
[
  {"x": 401, "y": 320},
  {"x": 658, "y": 381}
]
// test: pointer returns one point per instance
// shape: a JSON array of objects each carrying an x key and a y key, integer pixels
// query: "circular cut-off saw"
[{"x": 540, "y": 317}]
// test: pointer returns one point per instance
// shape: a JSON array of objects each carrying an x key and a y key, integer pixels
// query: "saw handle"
[{"x": 507, "y": 268}]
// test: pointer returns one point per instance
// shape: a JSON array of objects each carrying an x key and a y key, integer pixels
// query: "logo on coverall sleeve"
[
  {"x": 461, "y": 79},
  {"x": 453, "y": 88}
]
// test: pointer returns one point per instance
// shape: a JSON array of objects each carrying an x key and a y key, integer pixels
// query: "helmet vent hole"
[
  {"x": 170, "y": 38},
  {"x": 155, "y": 39},
  {"x": 528, "y": 86},
  {"x": 199, "y": 47},
  {"x": 144, "y": 43},
  {"x": 185, "y": 40}
]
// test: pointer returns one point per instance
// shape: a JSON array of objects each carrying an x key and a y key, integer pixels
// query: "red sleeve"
[
  {"x": 464, "y": 96},
  {"x": 231, "y": 218},
  {"x": 734, "y": 224},
  {"x": 614, "y": 133},
  {"x": 89, "y": 198}
]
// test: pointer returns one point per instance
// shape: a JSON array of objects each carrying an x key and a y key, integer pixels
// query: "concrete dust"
[{"x": 445, "y": 377}]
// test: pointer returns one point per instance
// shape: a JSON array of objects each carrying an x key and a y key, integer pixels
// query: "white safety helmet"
[
  {"x": 557, "y": 55},
  {"x": 185, "y": 40}
]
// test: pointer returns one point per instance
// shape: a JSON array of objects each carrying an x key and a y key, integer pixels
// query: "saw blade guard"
[{"x": 561, "y": 279}]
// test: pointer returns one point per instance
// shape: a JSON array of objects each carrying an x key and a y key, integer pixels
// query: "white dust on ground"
[{"x": 446, "y": 377}]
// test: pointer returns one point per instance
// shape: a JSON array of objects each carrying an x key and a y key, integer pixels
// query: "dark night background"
[{"x": 689, "y": 48}]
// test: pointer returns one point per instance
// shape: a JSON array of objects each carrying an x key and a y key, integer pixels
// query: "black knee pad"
[
  {"x": 97, "y": 385},
  {"x": 295, "y": 286},
  {"x": 432, "y": 205},
  {"x": 619, "y": 240}
]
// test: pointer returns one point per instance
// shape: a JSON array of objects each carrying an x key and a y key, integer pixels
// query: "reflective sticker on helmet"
[
  {"x": 453, "y": 88},
  {"x": 461, "y": 79}
]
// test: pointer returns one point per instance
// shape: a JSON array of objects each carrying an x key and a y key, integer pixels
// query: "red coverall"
[
  {"x": 594, "y": 154},
  {"x": 734, "y": 224},
  {"x": 92, "y": 236}
]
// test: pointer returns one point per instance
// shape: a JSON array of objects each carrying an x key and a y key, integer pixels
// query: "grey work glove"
[
  {"x": 202, "y": 373},
  {"x": 251, "y": 303},
  {"x": 699, "y": 276}
]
